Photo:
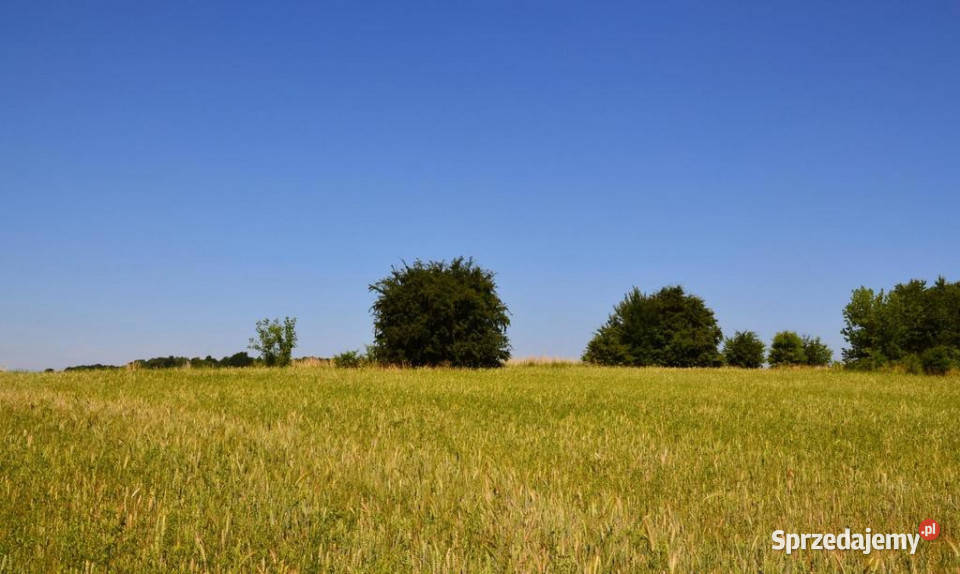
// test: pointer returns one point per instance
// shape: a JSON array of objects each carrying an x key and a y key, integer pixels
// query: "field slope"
[{"x": 556, "y": 469}]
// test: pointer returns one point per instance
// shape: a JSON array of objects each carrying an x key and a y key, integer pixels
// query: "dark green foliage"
[
  {"x": 938, "y": 360},
  {"x": 430, "y": 314},
  {"x": 889, "y": 328},
  {"x": 609, "y": 346},
  {"x": 816, "y": 353},
  {"x": 94, "y": 367},
  {"x": 349, "y": 360},
  {"x": 275, "y": 341},
  {"x": 786, "y": 349},
  {"x": 865, "y": 330},
  {"x": 207, "y": 362},
  {"x": 241, "y": 359},
  {"x": 170, "y": 362},
  {"x": 744, "y": 350},
  {"x": 668, "y": 328}
]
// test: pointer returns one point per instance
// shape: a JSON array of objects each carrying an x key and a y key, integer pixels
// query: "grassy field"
[{"x": 553, "y": 469}]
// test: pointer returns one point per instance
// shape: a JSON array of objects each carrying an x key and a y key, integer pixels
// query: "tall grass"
[{"x": 539, "y": 469}]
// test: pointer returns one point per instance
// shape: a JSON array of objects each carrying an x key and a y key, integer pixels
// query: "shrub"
[
  {"x": 744, "y": 349},
  {"x": 430, "y": 314},
  {"x": 816, "y": 353},
  {"x": 937, "y": 360},
  {"x": 275, "y": 341},
  {"x": 668, "y": 328},
  {"x": 349, "y": 360},
  {"x": 786, "y": 349}
]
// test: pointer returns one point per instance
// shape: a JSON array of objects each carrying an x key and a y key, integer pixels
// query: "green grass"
[{"x": 556, "y": 469}]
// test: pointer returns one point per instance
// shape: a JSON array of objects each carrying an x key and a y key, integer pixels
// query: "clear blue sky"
[{"x": 169, "y": 174}]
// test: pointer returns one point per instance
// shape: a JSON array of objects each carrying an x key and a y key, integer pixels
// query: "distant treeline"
[
  {"x": 241, "y": 359},
  {"x": 93, "y": 367},
  {"x": 449, "y": 314}
]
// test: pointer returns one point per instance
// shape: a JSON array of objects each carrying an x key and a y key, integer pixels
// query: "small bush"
[
  {"x": 349, "y": 360},
  {"x": 937, "y": 360},
  {"x": 744, "y": 350}
]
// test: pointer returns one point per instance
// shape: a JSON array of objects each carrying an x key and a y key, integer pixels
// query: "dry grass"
[
  {"x": 311, "y": 362},
  {"x": 580, "y": 469}
]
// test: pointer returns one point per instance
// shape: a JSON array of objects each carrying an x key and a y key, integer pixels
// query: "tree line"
[
  {"x": 671, "y": 328},
  {"x": 449, "y": 314},
  {"x": 241, "y": 359}
]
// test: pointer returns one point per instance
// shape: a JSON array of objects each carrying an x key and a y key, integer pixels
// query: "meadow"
[{"x": 522, "y": 469}]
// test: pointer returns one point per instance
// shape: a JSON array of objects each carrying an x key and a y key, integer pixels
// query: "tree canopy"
[
  {"x": 668, "y": 328},
  {"x": 744, "y": 349},
  {"x": 275, "y": 341},
  {"x": 815, "y": 352},
  {"x": 786, "y": 349},
  {"x": 896, "y": 327},
  {"x": 438, "y": 313}
]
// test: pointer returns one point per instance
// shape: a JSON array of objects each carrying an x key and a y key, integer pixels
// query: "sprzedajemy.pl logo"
[{"x": 865, "y": 542}]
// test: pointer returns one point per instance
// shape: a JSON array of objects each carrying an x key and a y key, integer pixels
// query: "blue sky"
[{"x": 171, "y": 173}]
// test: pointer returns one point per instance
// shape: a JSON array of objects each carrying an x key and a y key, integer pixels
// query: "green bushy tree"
[
  {"x": 435, "y": 313},
  {"x": 864, "y": 329},
  {"x": 816, "y": 352},
  {"x": 275, "y": 341},
  {"x": 667, "y": 328},
  {"x": 786, "y": 349},
  {"x": 744, "y": 350},
  {"x": 897, "y": 327}
]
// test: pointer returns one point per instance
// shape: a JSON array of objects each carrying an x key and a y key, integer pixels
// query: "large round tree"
[
  {"x": 668, "y": 328},
  {"x": 435, "y": 313}
]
